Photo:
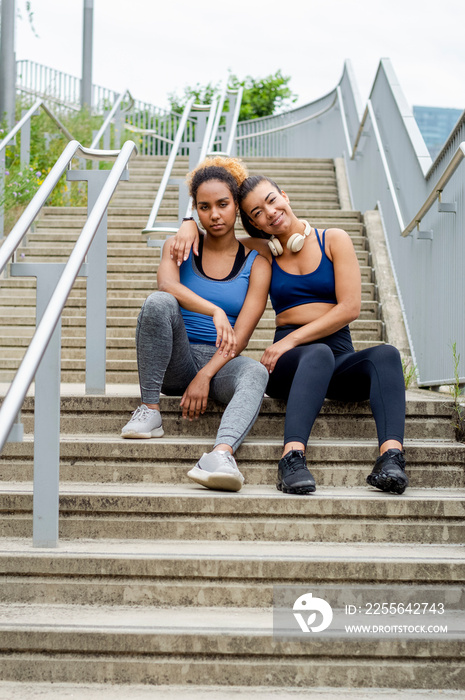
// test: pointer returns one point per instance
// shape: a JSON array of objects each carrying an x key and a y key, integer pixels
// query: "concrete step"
[
  {"x": 145, "y": 266},
  {"x": 47, "y": 252},
  {"x": 124, "y": 349},
  {"x": 122, "y": 287},
  {"x": 427, "y": 417},
  {"x": 125, "y": 371},
  {"x": 431, "y": 463},
  {"x": 230, "y": 646},
  {"x": 321, "y": 180},
  {"x": 74, "y": 325},
  {"x": 259, "y": 513},
  {"x": 136, "y": 238},
  {"x": 11, "y": 690},
  {"x": 123, "y": 368},
  {"x": 154, "y": 572}
]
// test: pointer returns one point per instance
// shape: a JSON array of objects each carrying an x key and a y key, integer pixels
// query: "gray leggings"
[{"x": 168, "y": 362}]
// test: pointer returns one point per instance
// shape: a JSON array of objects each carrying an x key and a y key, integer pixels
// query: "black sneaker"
[
  {"x": 389, "y": 472},
  {"x": 293, "y": 474}
]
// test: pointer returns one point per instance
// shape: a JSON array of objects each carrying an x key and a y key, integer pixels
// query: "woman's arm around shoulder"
[
  {"x": 186, "y": 238},
  {"x": 258, "y": 244}
]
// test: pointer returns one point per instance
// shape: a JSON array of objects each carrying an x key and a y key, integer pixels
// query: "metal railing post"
[
  {"x": 46, "y": 410},
  {"x": 25, "y": 148},
  {"x": 2, "y": 194},
  {"x": 96, "y": 310}
]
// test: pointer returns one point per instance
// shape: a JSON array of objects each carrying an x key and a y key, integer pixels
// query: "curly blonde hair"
[{"x": 231, "y": 171}]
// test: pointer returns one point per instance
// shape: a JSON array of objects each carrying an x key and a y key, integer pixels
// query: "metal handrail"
[
  {"x": 435, "y": 193},
  {"x": 343, "y": 118},
  {"x": 233, "y": 124},
  {"x": 369, "y": 112},
  {"x": 30, "y": 113},
  {"x": 147, "y": 132},
  {"x": 110, "y": 116},
  {"x": 290, "y": 125},
  {"x": 17, "y": 127},
  {"x": 49, "y": 98},
  {"x": 169, "y": 166},
  {"x": 20, "y": 229},
  {"x": 215, "y": 108},
  {"x": 209, "y": 132},
  {"x": 234, "y": 121},
  {"x": 44, "y": 331},
  {"x": 221, "y": 101}
]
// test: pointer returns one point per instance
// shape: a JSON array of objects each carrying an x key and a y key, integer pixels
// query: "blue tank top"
[
  {"x": 228, "y": 294},
  {"x": 288, "y": 290}
]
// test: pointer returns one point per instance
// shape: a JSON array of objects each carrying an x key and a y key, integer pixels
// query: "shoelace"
[
  {"x": 295, "y": 465},
  {"x": 141, "y": 412},
  {"x": 398, "y": 458},
  {"x": 228, "y": 460}
]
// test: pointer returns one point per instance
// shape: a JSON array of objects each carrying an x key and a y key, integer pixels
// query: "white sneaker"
[
  {"x": 145, "y": 423},
  {"x": 217, "y": 470}
]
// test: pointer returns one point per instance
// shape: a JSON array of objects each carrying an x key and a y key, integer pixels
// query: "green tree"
[{"x": 261, "y": 97}]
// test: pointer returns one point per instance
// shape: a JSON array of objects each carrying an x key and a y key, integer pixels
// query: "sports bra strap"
[{"x": 321, "y": 242}]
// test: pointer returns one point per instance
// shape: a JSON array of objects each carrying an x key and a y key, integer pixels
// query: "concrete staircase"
[
  {"x": 157, "y": 582},
  {"x": 132, "y": 266}
]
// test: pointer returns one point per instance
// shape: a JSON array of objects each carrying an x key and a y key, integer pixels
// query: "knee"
[
  {"x": 160, "y": 300},
  {"x": 386, "y": 355},
  {"x": 158, "y": 303},
  {"x": 319, "y": 357},
  {"x": 253, "y": 374}
]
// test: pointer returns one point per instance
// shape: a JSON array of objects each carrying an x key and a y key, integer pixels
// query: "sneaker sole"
[
  {"x": 216, "y": 480},
  {"x": 298, "y": 490},
  {"x": 388, "y": 483},
  {"x": 157, "y": 432}
]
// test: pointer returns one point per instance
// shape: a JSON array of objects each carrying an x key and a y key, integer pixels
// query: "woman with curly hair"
[
  {"x": 316, "y": 292},
  {"x": 191, "y": 332}
]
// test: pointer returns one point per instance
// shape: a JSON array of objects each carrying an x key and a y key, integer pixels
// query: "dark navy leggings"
[{"x": 330, "y": 368}]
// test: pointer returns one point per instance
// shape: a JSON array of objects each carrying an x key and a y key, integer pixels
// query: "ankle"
[
  {"x": 292, "y": 447},
  {"x": 153, "y": 406},
  {"x": 390, "y": 445},
  {"x": 223, "y": 448}
]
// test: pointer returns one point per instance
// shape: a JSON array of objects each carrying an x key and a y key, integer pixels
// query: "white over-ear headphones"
[{"x": 294, "y": 244}]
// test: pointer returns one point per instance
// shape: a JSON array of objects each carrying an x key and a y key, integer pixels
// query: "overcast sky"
[{"x": 154, "y": 47}]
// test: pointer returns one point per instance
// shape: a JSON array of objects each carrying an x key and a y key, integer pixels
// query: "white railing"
[
  {"x": 59, "y": 87},
  {"x": 23, "y": 127},
  {"x": 150, "y": 226},
  {"x": 389, "y": 168},
  {"x": 42, "y": 358},
  {"x": 155, "y": 127},
  {"x": 207, "y": 135}
]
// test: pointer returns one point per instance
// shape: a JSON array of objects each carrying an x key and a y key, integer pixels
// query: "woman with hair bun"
[
  {"x": 191, "y": 332},
  {"x": 316, "y": 292}
]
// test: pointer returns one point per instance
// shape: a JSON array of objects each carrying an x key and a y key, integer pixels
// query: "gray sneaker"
[
  {"x": 145, "y": 423},
  {"x": 217, "y": 470}
]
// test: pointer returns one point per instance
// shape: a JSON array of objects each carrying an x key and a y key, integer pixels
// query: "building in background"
[{"x": 435, "y": 124}]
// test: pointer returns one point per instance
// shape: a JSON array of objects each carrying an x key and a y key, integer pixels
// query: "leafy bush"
[
  {"x": 47, "y": 144},
  {"x": 261, "y": 97}
]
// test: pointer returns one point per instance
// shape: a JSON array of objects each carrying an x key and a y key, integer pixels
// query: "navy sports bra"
[{"x": 288, "y": 290}]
